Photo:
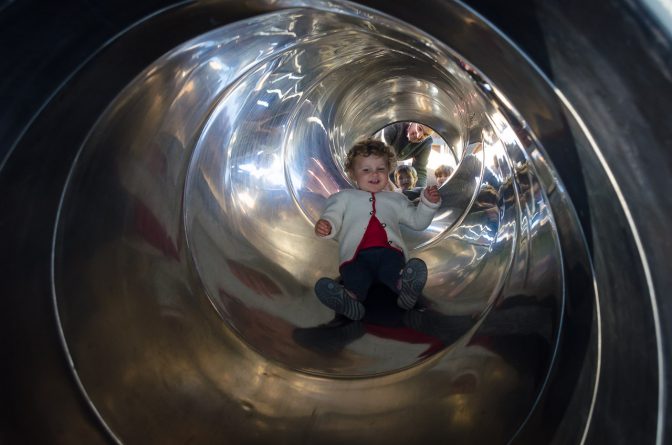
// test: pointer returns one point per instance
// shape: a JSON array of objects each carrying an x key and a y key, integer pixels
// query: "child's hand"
[
  {"x": 322, "y": 227},
  {"x": 432, "y": 194}
]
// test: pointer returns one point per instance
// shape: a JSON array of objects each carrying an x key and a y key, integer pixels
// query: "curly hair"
[{"x": 369, "y": 147}]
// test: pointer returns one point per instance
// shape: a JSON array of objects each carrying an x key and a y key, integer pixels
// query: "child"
[
  {"x": 366, "y": 223},
  {"x": 406, "y": 177},
  {"x": 442, "y": 173}
]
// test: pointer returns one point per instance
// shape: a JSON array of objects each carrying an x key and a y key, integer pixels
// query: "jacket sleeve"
[
  {"x": 420, "y": 160},
  {"x": 333, "y": 212},
  {"x": 391, "y": 136},
  {"x": 420, "y": 217}
]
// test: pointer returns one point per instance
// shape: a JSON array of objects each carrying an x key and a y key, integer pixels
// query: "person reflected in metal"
[
  {"x": 366, "y": 222},
  {"x": 411, "y": 140}
]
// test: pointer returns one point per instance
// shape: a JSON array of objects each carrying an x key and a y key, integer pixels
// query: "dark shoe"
[
  {"x": 413, "y": 279},
  {"x": 334, "y": 296}
]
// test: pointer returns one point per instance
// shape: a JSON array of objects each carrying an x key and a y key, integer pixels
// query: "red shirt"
[{"x": 375, "y": 234}]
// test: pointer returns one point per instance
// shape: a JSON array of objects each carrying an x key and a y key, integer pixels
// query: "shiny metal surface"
[
  {"x": 218, "y": 159},
  {"x": 177, "y": 219}
]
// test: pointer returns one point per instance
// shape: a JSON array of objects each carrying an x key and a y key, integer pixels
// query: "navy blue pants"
[{"x": 377, "y": 264}]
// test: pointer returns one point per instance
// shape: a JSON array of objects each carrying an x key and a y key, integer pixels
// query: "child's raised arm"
[{"x": 420, "y": 217}]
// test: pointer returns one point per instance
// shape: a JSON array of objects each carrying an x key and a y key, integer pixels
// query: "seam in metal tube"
[{"x": 54, "y": 300}]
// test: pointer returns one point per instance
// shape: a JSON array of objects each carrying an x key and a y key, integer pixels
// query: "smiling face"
[
  {"x": 370, "y": 173},
  {"x": 405, "y": 181}
]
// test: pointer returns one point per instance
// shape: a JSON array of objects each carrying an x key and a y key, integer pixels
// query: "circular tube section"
[
  {"x": 216, "y": 162},
  {"x": 173, "y": 238}
]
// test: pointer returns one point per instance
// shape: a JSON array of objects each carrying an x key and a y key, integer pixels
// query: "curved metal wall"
[{"x": 177, "y": 168}]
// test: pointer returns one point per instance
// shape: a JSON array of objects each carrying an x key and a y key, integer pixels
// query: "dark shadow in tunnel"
[
  {"x": 519, "y": 330},
  {"x": 383, "y": 318},
  {"x": 522, "y": 27},
  {"x": 43, "y": 41}
]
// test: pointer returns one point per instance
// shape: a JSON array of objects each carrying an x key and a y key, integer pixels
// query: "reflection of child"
[
  {"x": 442, "y": 173},
  {"x": 366, "y": 223}
]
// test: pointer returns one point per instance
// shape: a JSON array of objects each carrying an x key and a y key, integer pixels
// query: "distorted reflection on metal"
[{"x": 259, "y": 115}]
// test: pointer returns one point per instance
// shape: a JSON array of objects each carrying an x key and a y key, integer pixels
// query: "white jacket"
[{"x": 349, "y": 212}]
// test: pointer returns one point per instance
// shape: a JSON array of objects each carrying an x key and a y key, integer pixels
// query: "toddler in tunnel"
[{"x": 365, "y": 221}]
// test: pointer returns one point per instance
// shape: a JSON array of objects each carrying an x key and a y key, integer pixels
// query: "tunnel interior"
[
  {"x": 181, "y": 198},
  {"x": 216, "y": 161}
]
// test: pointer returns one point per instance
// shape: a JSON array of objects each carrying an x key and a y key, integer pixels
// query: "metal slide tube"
[{"x": 167, "y": 249}]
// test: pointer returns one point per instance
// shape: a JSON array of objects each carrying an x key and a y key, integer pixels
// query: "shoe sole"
[
  {"x": 332, "y": 295},
  {"x": 413, "y": 279}
]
